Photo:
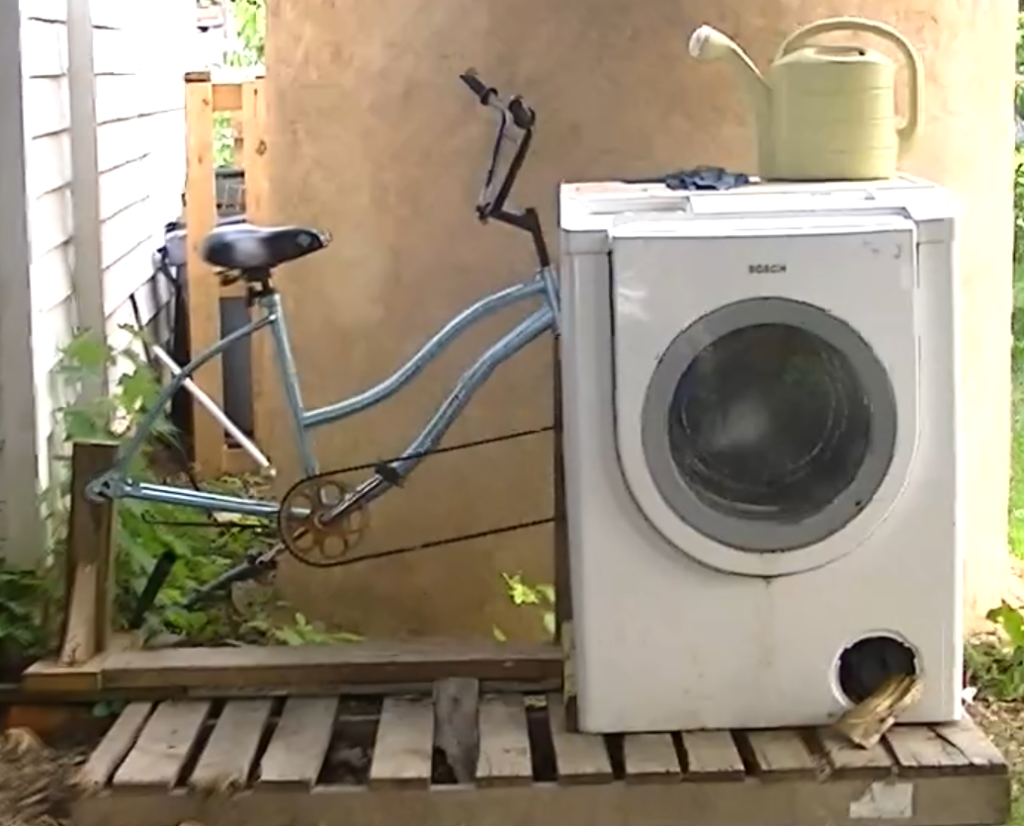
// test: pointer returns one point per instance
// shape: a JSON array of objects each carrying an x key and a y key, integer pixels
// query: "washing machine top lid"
[{"x": 589, "y": 211}]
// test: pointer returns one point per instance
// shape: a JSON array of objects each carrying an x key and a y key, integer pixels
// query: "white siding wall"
[{"x": 140, "y": 54}]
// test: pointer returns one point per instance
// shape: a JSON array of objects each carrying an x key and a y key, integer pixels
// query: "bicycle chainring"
[{"x": 305, "y": 530}]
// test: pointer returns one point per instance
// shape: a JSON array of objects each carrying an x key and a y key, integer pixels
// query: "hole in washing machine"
[{"x": 866, "y": 665}]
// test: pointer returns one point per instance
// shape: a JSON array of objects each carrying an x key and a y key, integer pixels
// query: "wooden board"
[
  {"x": 119, "y": 740},
  {"x": 580, "y": 758},
  {"x": 781, "y": 752},
  {"x": 650, "y": 757},
  {"x": 845, "y": 756},
  {"x": 168, "y": 739},
  {"x": 405, "y": 743},
  {"x": 716, "y": 788},
  {"x": 228, "y": 757},
  {"x": 504, "y": 743},
  {"x": 711, "y": 755},
  {"x": 254, "y": 670},
  {"x": 299, "y": 744},
  {"x": 922, "y": 748}
]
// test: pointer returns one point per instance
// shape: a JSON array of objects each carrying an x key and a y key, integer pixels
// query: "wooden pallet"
[{"x": 508, "y": 759}]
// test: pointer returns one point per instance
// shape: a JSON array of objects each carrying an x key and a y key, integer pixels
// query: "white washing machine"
[{"x": 761, "y": 451}]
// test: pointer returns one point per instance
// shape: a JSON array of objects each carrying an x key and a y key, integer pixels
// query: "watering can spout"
[{"x": 707, "y": 43}]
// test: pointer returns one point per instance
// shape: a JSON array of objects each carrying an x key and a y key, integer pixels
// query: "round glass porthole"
[{"x": 769, "y": 424}]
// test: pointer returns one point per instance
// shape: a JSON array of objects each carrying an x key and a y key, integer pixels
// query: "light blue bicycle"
[{"x": 319, "y": 519}]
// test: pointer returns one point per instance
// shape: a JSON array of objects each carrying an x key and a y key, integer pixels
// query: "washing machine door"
[{"x": 760, "y": 433}]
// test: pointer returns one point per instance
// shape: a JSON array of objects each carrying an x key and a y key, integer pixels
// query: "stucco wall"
[{"x": 373, "y": 137}]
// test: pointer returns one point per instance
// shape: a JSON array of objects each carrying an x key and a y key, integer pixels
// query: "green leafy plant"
[
  {"x": 143, "y": 531},
  {"x": 996, "y": 665},
  {"x": 23, "y": 598},
  {"x": 146, "y": 530},
  {"x": 299, "y": 632},
  {"x": 538, "y": 597}
]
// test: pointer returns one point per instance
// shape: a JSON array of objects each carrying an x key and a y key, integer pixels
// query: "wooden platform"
[{"x": 462, "y": 760}]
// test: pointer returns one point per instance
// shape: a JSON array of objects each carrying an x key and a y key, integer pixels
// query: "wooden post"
[
  {"x": 257, "y": 210},
  {"x": 203, "y": 288},
  {"x": 89, "y": 586},
  {"x": 247, "y": 103}
]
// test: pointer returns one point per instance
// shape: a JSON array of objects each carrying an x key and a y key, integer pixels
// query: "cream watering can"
[{"x": 825, "y": 112}]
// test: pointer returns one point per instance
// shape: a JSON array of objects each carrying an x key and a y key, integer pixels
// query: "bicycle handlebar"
[{"x": 491, "y": 203}]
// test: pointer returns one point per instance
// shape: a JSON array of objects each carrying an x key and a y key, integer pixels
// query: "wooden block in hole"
[
  {"x": 711, "y": 755},
  {"x": 299, "y": 744},
  {"x": 781, "y": 752},
  {"x": 228, "y": 758},
  {"x": 650, "y": 758},
  {"x": 168, "y": 739},
  {"x": 504, "y": 742},
  {"x": 403, "y": 750},
  {"x": 580, "y": 758}
]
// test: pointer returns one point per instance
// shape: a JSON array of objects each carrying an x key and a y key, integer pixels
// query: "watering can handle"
[{"x": 906, "y": 132}]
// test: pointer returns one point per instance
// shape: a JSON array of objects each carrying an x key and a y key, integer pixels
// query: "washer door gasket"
[{"x": 768, "y": 425}]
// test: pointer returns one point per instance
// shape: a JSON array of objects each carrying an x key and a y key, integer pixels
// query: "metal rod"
[{"x": 211, "y": 407}]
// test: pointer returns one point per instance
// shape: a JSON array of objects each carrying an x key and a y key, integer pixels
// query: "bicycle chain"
[{"x": 319, "y": 542}]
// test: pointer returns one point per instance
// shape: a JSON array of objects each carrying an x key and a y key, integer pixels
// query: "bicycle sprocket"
[{"x": 308, "y": 534}]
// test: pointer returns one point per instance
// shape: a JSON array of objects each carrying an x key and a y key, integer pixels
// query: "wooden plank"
[
  {"x": 580, "y": 758},
  {"x": 227, "y": 97},
  {"x": 920, "y": 748},
  {"x": 89, "y": 577},
  {"x": 255, "y": 162},
  {"x": 256, "y": 670},
  {"x": 457, "y": 725},
  {"x": 167, "y": 741},
  {"x": 204, "y": 287},
  {"x": 299, "y": 744},
  {"x": 781, "y": 752},
  {"x": 847, "y": 757},
  {"x": 711, "y": 755},
  {"x": 228, "y": 758},
  {"x": 504, "y": 743},
  {"x": 404, "y": 748},
  {"x": 650, "y": 757},
  {"x": 114, "y": 747},
  {"x": 972, "y": 743}
]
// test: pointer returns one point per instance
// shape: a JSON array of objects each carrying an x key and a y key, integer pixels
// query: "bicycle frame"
[{"x": 116, "y": 483}]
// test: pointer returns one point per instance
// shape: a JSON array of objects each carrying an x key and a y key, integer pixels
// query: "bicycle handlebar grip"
[{"x": 476, "y": 86}]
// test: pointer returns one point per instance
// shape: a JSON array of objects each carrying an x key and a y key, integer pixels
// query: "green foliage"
[
  {"x": 143, "y": 531},
  {"x": 24, "y": 596},
  {"x": 540, "y": 598},
  {"x": 300, "y": 632},
  {"x": 1016, "y": 515},
  {"x": 250, "y": 19},
  {"x": 996, "y": 666}
]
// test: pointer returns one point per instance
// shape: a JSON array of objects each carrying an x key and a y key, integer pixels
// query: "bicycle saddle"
[{"x": 248, "y": 247}]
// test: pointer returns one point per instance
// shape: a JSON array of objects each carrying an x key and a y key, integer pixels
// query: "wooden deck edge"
[
  {"x": 257, "y": 670},
  {"x": 924, "y": 801}
]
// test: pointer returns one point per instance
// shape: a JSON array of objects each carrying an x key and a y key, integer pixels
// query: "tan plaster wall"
[{"x": 373, "y": 137}]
